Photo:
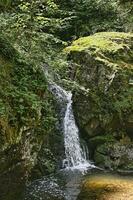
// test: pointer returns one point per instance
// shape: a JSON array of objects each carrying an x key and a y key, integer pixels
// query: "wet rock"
[{"x": 115, "y": 156}]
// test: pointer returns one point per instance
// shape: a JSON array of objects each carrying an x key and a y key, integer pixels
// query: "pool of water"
[
  {"x": 106, "y": 186},
  {"x": 74, "y": 184}
]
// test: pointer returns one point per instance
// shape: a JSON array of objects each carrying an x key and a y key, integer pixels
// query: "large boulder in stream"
[{"x": 102, "y": 67}]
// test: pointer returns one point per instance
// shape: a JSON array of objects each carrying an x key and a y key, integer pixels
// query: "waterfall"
[
  {"x": 73, "y": 151},
  {"x": 75, "y": 156}
]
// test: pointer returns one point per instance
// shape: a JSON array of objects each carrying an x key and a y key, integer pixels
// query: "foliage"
[
  {"x": 24, "y": 100},
  {"x": 39, "y": 29},
  {"x": 126, "y": 14},
  {"x": 25, "y": 29},
  {"x": 93, "y": 16},
  {"x": 5, "y": 3}
]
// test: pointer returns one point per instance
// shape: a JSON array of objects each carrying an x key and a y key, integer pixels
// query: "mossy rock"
[
  {"x": 98, "y": 140},
  {"x": 104, "y": 68},
  {"x": 111, "y": 42},
  {"x": 103, "y": 65},
  {"x": 114, "y": 156}
]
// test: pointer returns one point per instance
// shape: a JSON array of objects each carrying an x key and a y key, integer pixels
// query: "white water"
[{"x": 75, "y": 156}]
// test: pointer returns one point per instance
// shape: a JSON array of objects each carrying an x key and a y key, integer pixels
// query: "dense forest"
[{"x": 66, "y": 93}]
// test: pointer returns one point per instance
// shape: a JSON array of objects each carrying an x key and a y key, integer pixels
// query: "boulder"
[{"x": 103, "y": 68}]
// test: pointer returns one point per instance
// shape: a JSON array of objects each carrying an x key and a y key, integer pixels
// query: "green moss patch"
[{"x": 104, "y": 41}]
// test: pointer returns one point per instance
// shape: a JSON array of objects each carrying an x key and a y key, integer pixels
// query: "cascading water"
[
  {"x": 75, "y": 157},
  {"x": 73, "y": 151},
  {"x": 66, "y": 183}
]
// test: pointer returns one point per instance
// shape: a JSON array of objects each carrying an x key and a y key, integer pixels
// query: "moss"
[
  {"x": 98, "y": 140},
  {"x": 105, "y": 41}
]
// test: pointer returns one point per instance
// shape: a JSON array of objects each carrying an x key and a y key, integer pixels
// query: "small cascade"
[
  {"x": 75, "y": 156},
  {"x": 73, "y": 151}
]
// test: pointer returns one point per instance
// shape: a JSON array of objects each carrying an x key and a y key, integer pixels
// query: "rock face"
[
  {"x": 27, "y": 119},
  {"x": 103, "y": 68}
]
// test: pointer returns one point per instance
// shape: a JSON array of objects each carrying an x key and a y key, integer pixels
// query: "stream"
[
  {"x": 64, "y": 185},
  {"x": 68, "y": 185},
  {"x": 76, "y": 166}
]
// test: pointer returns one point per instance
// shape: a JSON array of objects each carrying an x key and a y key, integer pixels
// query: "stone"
[{"x": 103, "y": 110}]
